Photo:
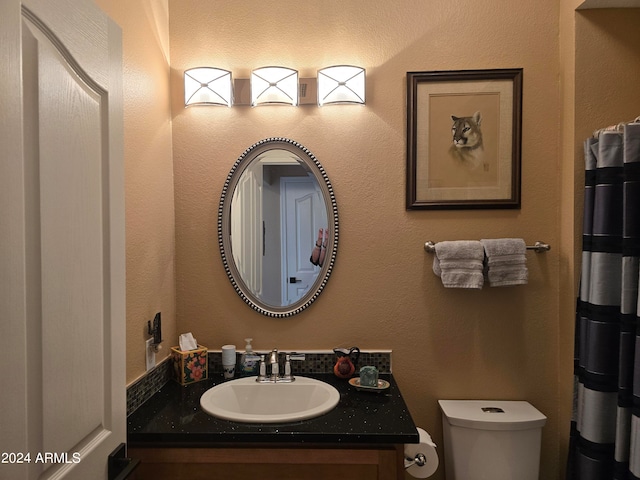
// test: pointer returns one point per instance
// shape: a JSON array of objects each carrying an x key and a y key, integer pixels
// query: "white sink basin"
[{"x": 245, "y": 400}]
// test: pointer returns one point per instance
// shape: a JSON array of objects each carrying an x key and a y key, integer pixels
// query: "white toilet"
[{"x": 491, "y": 440}]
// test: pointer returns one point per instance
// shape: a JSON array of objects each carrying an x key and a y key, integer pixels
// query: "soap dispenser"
[{"x": 249, "y": 361}]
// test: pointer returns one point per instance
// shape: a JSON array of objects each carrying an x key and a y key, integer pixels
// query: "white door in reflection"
[{"x": 303, "y": 213}]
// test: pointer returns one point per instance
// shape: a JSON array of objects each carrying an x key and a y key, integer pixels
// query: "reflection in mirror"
[{"x": 278, "y": 227}]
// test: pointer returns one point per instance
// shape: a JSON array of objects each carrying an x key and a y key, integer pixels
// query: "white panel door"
[
  {"x": 246, "y": 228},
  {"x": 62, "y": 284},
  {"x": 300, "y": 222}
]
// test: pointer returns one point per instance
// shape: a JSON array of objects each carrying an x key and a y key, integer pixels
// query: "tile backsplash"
[
  {"x": 143, "y": 389},
  {"x": 315, "y": 362}
]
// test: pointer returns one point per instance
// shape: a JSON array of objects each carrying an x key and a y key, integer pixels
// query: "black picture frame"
[{"x": 485, "y": 172}]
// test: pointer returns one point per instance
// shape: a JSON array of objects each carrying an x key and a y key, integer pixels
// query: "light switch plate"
[{"x": 150, "y": 353}]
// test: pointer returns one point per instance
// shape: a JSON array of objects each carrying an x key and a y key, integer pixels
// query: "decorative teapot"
[{"x": 347, "y": 361}]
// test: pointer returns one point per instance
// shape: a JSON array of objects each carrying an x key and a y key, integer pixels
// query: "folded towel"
[
  {"x": 459, "y": 263},
  {"x": 505, "y": 262}
]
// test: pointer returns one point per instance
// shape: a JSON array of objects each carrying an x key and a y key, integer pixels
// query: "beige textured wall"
[
  {"x": 570, "y": 242},
  {"x": 149, "y": 196},
  {"x": 498, "y": 343},
  {"x": 607, "y": 49}
]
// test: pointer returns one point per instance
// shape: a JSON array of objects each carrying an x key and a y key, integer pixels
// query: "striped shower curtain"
[{"x": 605, "y": 429}]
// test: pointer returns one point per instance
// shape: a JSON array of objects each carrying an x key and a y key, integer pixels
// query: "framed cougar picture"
[{"x": 464, "y": 139}]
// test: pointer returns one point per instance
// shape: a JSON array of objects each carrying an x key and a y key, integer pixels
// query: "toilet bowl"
[{"x": 491, "y": 440}]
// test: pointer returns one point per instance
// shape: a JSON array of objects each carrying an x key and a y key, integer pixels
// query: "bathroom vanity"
[{"x": 363, "y": 437}]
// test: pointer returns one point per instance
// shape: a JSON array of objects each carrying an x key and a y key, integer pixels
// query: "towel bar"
[{"x": 539, "y": 247}]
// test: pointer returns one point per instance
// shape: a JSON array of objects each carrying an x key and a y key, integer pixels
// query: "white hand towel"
[
  {"x": 459, "y": 263},
  {"x": 505, "y": 262}
]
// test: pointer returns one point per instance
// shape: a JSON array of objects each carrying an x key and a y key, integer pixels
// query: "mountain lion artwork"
[{"x": 467, "y": 147}]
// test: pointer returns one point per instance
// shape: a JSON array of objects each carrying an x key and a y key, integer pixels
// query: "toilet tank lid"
[{"x": 492, "y": 415}]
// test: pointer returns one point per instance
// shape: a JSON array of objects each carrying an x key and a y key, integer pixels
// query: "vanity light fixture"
[
  {"x": 341, "y": 84},
  {"x": 208, "y": 86},
  {"x": 274, "y": 86}
]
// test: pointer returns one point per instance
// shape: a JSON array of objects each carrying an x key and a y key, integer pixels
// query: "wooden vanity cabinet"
[{"x": 273, "y": 462}]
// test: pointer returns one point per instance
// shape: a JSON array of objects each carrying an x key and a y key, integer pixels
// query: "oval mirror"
[{"x": 278, "y": 227}]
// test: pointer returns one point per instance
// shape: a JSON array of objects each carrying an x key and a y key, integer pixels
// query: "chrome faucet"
[
  {"x": 275, "y": 366},
  {"x": 274, "y": 376}
]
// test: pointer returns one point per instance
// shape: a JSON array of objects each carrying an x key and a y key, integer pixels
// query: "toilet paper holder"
[{"x": 420, "y": 460}]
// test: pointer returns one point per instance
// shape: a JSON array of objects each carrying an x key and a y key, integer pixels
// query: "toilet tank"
[{"x": 491, "y": 440}]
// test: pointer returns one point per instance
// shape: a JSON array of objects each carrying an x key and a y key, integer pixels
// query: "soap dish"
[{"x": 382, "y": 385}]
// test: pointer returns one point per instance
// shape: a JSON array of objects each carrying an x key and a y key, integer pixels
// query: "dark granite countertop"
[{"x": 173, "y": 418}]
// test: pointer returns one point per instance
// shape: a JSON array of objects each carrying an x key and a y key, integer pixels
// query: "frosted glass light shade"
[
  {"x": 207, "y": 86},
  {"x": 274, "y": 85},
  {"x": 341, "y": 84}
]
